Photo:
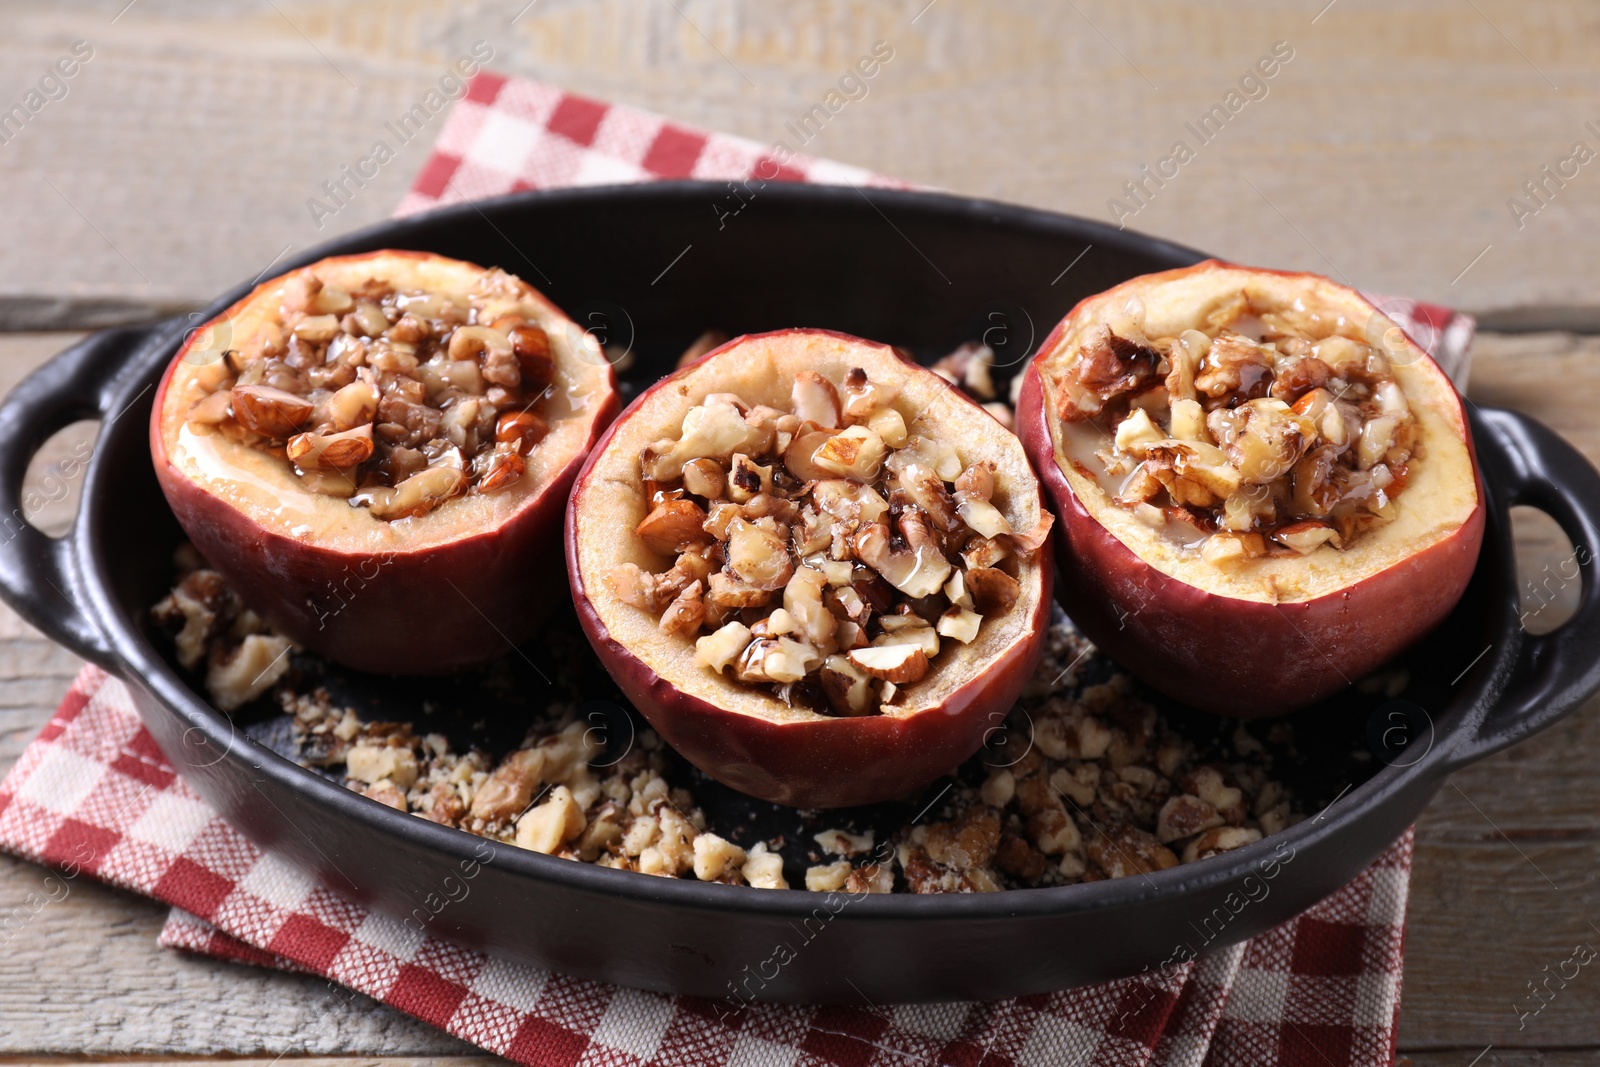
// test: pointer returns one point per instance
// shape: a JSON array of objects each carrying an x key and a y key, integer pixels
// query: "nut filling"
[
  {"x": 394, "y": 400},
  {"x": 825, "y": 554},
  {"x": 1267, "y": 433}
]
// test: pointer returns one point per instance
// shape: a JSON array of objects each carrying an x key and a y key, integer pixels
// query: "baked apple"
[
  {"x": 818, "y": 570},
  {"x": 1265, "y": 488},
  {"x": 375, "y": 452}
]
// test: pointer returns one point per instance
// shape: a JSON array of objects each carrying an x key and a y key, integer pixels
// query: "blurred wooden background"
[{"x": 178, "y": 159}]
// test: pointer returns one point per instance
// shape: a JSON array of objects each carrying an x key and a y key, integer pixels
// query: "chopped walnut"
[
  {"x": 828, "y": 877},
  {"x": 375, "y": 763},
  {"x": 1212, "y": 785},
  {"x": 1105, "y": 790},
  {"x": 249, "y": 671},
  {"x": 967, "y": 844},
  {"x": 443, "y": 804},
  {"x": 198, "y": 607},
  {"x": 999, "y": 789},
  {"x": 715, "y": 857},
  {"x": 843, "y": 843},
  {"x": 393, "y": 400},
  {"x": 1222, "y": 839},
  {"x": 871, "y": 878},
  {"x": 1249, "y": 444},
  {"x": 1235, "y": 366},
  {"x": 1019, "y": 859},
  {"x": 814, "y": 550},
  {"x": 509, "y": 790},
  {"x": 386, "y": 792},
  {"x": 1121, "y": 850},
  {"x": 1183, "y": 816},
  {"x": 1107, "y": 367},
  {"x": 764, "y": 869},
  {"x": 547, "y": 826}
]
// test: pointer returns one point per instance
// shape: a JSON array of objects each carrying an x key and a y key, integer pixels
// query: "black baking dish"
[{"x": 650, "y": 267}]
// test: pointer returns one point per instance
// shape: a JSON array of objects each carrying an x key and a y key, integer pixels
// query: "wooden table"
[{"x": 182, "y": 154}]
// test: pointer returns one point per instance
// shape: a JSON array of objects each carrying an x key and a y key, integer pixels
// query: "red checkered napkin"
[
  {"x": 93, "y": 795},
  {"x": 510, "y": 134}
]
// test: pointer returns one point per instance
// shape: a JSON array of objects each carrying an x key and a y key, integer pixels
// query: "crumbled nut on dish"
[
  {"x": 253, "y": 668},
  {"x": 1266, "y": 434},
  {"x": 815, "y": 549},
  {"x": 1120, "y": 850},
  {"x": 1216, "y": 787},
  {"x": 764, "y": 869},
  {"x": 870, "y": 878},
  {"x": 1105, "y": 791},
  {"x": 373, "y": 763},
  {"x": 843, "y": 842},
  {"x": 966, "y": 844},
  {"x": 386, "y": 792},
  {"x": 1184, "y": 816},
  {"x": 1110, "y": 795},
  {"x": 1019, "y": 859},
  {"x": 209, "y": 627},
  {"x": 510, "y": 788},
  {"x": 923, "y": 875},
  {"x": 393, "y": 400},
  {"x": 828, "y": 877},
  {"x": 196, "y": 609},
  {"x": 1221, "y": 839},
  {"x": 999, "y": 789},
  {"x": 1098, "y": 786},
  {"x": 547, "y": 826},
  {"x": 716, "y": 858}
]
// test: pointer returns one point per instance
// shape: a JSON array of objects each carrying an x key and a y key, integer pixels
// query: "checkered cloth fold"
[{"x": 94, "y": 796}]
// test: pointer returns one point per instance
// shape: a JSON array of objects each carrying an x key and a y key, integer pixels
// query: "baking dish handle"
[
  {"x": 38, "y": 575},
  {"x": 1553, "y": 672}
]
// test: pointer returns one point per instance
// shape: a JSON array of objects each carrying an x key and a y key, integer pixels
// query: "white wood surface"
[
  {"x": 183, "y": 153},
  {"x": 181, "y": 157}
]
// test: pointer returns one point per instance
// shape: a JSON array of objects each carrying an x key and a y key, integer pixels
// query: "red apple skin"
[
  {"x": 833, "y": 763},
  {"x": 1236, "y": 657},
  {"x": 425, "y": 612},
  {"x": 428, "y": 612}
]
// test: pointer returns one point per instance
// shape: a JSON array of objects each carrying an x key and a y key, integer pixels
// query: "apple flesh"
[
  {"x": 426, "y": 594},
  {"x": 744, "y": 736},
  {"x": 1269, "y": 635}
]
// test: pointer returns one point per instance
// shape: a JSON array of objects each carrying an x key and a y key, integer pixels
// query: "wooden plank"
[
  {"x": 186, "y": 149},
  {"x": 21, "y": 353},
  {"x": 1486, "y": 919},
  {"x": 83, "y": 975},
  {"x": 1545, "y": 788},
  {"x": 1542, "y": 790},
  {"x": 1553, "y": 376}
]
